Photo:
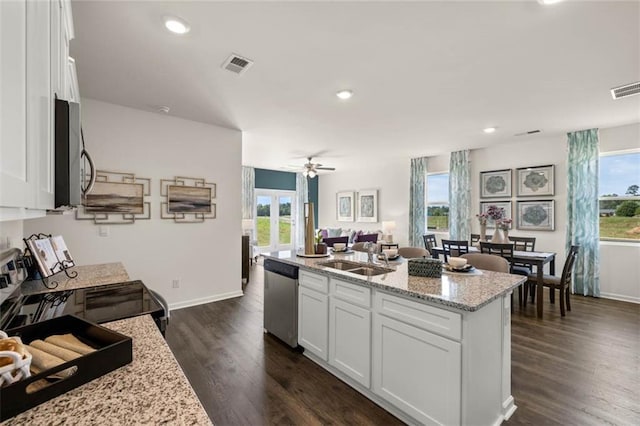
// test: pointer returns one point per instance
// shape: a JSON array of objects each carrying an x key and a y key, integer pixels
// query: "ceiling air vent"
[
  {"x": 530, "y": 132},
  {"x": 626, "y": 90},
  {"x": 237, "y": 64}
]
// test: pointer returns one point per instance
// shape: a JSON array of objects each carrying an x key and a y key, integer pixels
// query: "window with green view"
[
  {"x": 619, "y": 194},
  {"x": 438, "y": 202}
]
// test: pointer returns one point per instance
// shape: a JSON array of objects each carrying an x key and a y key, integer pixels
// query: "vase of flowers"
[
  {"x": 504, "y": 225},
  {"x": 496, "y": 214},
  {"x": 482, "y": 219}
]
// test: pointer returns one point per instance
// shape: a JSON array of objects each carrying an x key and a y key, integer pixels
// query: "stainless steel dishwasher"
[{"x": 281, "y": 301}]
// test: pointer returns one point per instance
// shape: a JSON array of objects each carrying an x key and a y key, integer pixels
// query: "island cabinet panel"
[
  {"x": 353, "y": 293},
  {"x": 313, "y": 281},
  {"x": 350, "y": 340},
  {"x": 417, "y": 371},
  {"x": 313, "y": 321}
]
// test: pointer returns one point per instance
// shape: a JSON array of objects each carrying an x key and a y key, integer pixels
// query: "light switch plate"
[{"x": 103, "y": 231}]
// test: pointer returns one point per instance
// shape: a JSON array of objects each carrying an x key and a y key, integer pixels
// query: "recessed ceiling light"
[
  {"x": 344, "y": 94},
  {"x": 545, "y": 2},
  {"x": 489, "y": 130},
  {"x": 176, "y": 25}
]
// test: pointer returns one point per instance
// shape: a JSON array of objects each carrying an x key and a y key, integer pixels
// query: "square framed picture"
[
  {"x": 505, "y": 205},
  {"x": 536, "y": 181},
  {"x": 345, "y": 206},
  {"x": 536, "y": 215},
  {"x": 495, "y": 183},
  {"x": 368, "y": 206}
]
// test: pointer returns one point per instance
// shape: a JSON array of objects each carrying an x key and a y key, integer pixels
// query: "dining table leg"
[{"x": 539, "y": 289}]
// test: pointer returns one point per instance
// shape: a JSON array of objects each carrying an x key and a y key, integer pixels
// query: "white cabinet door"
[
  {"x": 350, "y": 340},
  {"x": 417, "y": 371},
  {"x": 39, "y": 100},
  {"x": 313, "y": 321},
  {"x": 17, "y": 176}
]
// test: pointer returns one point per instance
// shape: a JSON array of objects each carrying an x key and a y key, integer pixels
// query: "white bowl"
[
  {"x": 390, "y": 252},
  {"x": 457, "y": 262},
  {"x": 339, "y": 246}
]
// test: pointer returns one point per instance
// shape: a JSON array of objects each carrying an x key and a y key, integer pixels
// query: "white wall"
[
  {"x": 390, "y": 177},
  {"x": 11, "y": 234},
  {"x": 205, "y": 257}
]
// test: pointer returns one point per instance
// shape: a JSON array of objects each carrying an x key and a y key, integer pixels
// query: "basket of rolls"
[
  {"x": 52, "y": 357},
  {"x": 14, "y": 360}
]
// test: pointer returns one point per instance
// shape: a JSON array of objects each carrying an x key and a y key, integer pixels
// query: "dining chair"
[
  {"x": 454, "y": 248},
  {"x": 488, "y": 262},
  {"x": 475, "y": 239},
  {"x": 562, "y": 283},
  {"x": 506, "y": 251},
  {"x": 523, "y": 243},
  {"x": 330, "y": 241},
  {"x": 429, "y": 241},
  {"x": 413, "y": 252}
]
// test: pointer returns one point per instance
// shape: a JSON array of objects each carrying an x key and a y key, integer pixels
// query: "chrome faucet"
[{"x": 370, "y": 247}]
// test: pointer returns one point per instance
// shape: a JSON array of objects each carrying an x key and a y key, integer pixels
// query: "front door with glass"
[{"x": 275, "y": 220}]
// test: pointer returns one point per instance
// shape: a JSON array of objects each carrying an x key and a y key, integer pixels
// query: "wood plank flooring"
[{"x": 583, "y": 369}]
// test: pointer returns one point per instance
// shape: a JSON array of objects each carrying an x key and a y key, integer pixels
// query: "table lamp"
[
  {"x": 387, "y": 229},
  {"x": 247, "y": 226}
]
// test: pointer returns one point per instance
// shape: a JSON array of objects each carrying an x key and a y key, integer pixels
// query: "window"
[
  {"x": 620, "y": 196},
  {"x": 438, "y": 202}
]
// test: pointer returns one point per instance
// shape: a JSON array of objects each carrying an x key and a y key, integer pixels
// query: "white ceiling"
[{"x": 427, "y": 76}]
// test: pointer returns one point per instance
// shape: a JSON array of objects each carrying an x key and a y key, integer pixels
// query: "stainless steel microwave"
[{"x": 72, "y": 179}]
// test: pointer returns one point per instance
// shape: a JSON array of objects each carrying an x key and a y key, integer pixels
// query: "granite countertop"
[
  {"x": 151, "y": 390},
  {"x": 460, "y": 291},
  {"x": 88, "y": 276}
]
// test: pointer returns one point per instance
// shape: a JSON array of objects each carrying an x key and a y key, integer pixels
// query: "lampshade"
[
  {"x": 247, "y": 224},
  {"x": 388, "y": 226}
]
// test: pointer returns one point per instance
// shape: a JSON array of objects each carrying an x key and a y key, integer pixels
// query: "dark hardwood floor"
[{"x": 583, "y": 369}]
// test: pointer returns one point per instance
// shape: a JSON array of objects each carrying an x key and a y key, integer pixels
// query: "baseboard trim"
[
  {"x": 203, "y": 300},
  {"x": 620, "y": 297}
]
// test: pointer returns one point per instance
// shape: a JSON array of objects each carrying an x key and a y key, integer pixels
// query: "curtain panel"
[
  {"x": 248, "y": 192},
  {"x": 583, "y": 226},
  {"x": 459, "y": 196},
  {"x": 417, "y": 201},
  {"x": 302, "y": 197}
]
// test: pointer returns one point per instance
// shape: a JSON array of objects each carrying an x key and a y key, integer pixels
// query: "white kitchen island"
[{"x": 428, "y": 350}]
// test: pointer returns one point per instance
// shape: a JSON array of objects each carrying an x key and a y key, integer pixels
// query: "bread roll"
[
  {"x": 62, "y": 353},
  {"x": 69, "y": 341},
  {"x": 13, "y": 344},
  {"x": 42, "y": 361}
]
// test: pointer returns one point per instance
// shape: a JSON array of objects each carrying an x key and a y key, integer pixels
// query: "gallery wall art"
[
  {"x": 367, "y": 206},
  {"x": 187, "y": 200},
  {"x": 345, "y": 206}
]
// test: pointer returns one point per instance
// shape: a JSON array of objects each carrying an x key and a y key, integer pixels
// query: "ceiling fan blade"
[{"x": 325, "y": 168}]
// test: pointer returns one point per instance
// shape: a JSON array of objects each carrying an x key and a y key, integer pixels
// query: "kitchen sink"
[
  {"x": 370, "y": 271},
  {"x": 359, "y": 268}
]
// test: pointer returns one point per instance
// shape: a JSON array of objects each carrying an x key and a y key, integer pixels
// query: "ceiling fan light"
[
  {"x": 312, "y": 174},
  {"x": 305, "y": 173}
]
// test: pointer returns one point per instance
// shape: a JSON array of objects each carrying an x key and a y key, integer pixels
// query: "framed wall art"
[
  {"x": 345, "y": 206},
  {"x": 368, "y": 206},
  {"x": 116, "y": 198},
  {"x": 535, "y": 181},
  {"x": 536, "y": 215},
  {"x": 495, "y": 183},
  {"x": 505, "y": 205},
  {"x": 187, "y": 200}
]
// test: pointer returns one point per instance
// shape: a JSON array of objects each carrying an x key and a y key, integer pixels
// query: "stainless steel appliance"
[{"x": 281, "y": 301}]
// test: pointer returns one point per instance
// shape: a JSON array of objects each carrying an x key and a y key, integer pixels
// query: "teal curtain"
[
  {"x": 583, "y": 227},
  {"x": 459, "y": 196},
  {"x": 417, "y": 201},
  {"x": 302, "y": 196}
]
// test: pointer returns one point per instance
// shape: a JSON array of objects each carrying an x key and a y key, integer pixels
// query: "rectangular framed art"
[
  {"x": 344, "y": 206},
  {"x": 495, "y": 183},
  {"x": 368, "y": 206},
  {"x": 535, "y": 181},
  {"x": 536, "y": 215},
  {"x": 506, "y": 205}
]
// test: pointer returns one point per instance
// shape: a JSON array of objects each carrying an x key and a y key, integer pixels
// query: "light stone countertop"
[
  {"x": 151, "y": 390},
  {"x": 88, "y": 276},
  {"x": 459, "y": 291}
]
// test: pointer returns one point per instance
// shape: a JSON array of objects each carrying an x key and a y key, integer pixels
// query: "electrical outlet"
[
  {"x": 103, "y": 231},
  {"x": 175, "y": 283}
]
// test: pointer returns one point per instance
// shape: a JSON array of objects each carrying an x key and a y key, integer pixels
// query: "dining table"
[{"x": 530, "y": 258}]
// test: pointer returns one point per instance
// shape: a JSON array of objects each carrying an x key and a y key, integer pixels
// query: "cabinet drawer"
[
  {"x": 314, "y": 281},
  {"x": 352, "y": 293},
  {"x": 426, "y": 317}
]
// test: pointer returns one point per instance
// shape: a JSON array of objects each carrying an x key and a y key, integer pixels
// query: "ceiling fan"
[{"x": 311, "y": 169}]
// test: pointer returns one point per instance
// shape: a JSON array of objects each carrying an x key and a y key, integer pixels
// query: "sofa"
[{"x": 354, "y": 236}]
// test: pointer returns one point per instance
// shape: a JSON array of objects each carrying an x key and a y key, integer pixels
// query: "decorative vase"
[
  {"x": 321, "y": 248},
  {"x": 505, "y": 236},
  {"x": 497, "y": 236},
  {"x": 310, "y": 230},
  {"x": 483, "y": 232}
]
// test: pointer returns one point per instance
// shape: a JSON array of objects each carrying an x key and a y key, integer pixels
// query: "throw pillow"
[{"x": 334, "y": 232}]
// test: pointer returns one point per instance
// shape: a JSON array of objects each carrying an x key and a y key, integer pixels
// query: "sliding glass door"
[{"x": 275, "y": 220}]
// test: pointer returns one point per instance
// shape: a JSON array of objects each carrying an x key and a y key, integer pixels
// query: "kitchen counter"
[
  {"x": 460, "y": 291},
  {"x": 151, "y": 390},
  {"x": 88, "y": 276}
]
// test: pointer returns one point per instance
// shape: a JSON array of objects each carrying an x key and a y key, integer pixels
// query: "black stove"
[{"x": 99, "y": 304}]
